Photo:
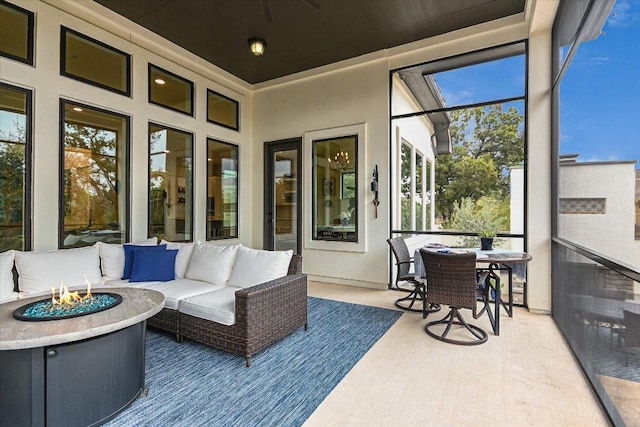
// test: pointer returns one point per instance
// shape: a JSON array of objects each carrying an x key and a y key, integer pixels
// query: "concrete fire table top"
[{"x": 137, "y": 305}]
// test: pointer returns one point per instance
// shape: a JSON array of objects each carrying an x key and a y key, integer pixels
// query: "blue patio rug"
[{"x": 194, "y": 385}]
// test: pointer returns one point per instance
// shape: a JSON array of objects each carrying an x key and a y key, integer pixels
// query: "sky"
[{"x": 600, "y": 93}]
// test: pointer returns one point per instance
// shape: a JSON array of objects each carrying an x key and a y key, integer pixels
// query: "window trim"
[
  {"x": 363, "y": 195},
  {"x": 27, "y": 225},
  {"x": 30, "y": 36},
  {"x": 151, "y": 66},
  {"x": 237, "y": 105},
  {"x": 237, "y": 148},
  {"x": 127, "y": 153},
  {"x": 63, "y": 54}
]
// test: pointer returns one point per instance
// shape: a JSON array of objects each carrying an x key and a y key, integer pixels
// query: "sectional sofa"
[{"x": 234, "y": 298}]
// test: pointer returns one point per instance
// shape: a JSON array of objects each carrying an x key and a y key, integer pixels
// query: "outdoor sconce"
[
  {"x": 257, "y": 46},
  {"x": 374, "y": 189}
]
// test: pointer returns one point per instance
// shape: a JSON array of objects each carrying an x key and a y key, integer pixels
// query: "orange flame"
[{"x": 65, "y": 297}]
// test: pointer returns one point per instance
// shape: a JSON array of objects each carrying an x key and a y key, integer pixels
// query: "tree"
[
  {"x": 91, "y": 197},
  {"x": 471, "y": 216},
  {"x": 12, "y": 177},
  {"x": 486, "y": 142}
]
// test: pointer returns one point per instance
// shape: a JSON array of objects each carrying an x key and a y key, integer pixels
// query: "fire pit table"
[{"x": 78, "y": 371}]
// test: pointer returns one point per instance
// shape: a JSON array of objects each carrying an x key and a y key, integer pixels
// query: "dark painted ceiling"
[{"x": 302, "y": 34}]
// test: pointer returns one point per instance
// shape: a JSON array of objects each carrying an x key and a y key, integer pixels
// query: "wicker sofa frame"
[{"x": 265, "y": 313}]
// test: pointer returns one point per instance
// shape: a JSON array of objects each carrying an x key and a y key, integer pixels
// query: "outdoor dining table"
[{"x": 498, "y": 260}]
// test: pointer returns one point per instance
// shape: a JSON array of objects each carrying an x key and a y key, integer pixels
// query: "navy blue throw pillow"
[
  {"x": 129, "y": 252},
  {"x": 151, "y": 266}
]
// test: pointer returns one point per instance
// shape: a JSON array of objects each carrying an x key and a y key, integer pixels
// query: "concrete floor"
[{"x": 525, "y": 376}]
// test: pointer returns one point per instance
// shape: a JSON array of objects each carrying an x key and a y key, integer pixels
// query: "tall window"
[
  {"x": 16, "y": 33},
  {"x": 15, "y": 168},
  {"x": 222, "y": 190},
  {"x": 406, "y": 173},
  {"x": 94, "y": 184},
  {"x": 335, "y": 180},
  {"x": 419, "y": 195},
  {"x": 170, "y": 183}
]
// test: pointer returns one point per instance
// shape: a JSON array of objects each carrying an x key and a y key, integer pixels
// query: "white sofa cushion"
[
  {"x": 112, "y": 257},
  {"x": 6, "y": 275},
  {"x": 179, "y": 289},
  {"x": 185, "y": 249},
  {"x": 218, "y": 306},
  {"x": 40, "y": 271},
  {"x": 108, "y": 282},
  {"x": 254, "y": 266},
  {"x": 210, "y": 263}
]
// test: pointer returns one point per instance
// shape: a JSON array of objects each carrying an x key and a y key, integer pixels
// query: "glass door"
[{"x": 282, "y": 195}]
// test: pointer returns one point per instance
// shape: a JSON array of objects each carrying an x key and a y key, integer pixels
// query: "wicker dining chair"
[
  {"x": 403, "y": 274},
  {"x": 403, "y": 264},
  {"x": 452, "y": 280}
]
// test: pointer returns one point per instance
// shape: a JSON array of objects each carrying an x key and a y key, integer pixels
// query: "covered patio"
[{"x": 300, "y": 148}]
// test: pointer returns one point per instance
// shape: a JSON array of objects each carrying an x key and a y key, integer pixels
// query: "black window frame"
[
  {"x": 174, "y": 75},
  {"x": 63, "y": 55},
  {"x": 314, "y": 183},
  {"x": 233, "y": 101},
  {"x": 27, "y": 225},
  {"x": 61, "y": 172},
  {"x": 191, "y": 189},
  {"x": 237, "y": 149},
  {"x": 30, "y": 36}
]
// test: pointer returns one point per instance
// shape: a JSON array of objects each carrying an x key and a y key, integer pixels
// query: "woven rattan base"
[{"x": 167, "y": 320}]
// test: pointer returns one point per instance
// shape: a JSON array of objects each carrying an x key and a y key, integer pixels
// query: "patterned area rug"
[{"x": 194, "y": 385}]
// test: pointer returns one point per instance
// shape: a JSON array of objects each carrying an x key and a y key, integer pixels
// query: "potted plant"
[{"x": 486, "y": 238}]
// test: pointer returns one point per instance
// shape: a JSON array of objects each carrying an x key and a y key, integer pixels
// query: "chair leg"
[
  {"x": 455, "y": 318},
  {"x": 415, "y": 295}
]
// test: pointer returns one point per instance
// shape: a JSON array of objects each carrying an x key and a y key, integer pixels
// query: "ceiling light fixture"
[
  {"x": 159, "y": 81},
  {"x": 257, "y": 46}
]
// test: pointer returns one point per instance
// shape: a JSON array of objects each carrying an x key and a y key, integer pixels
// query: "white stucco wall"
[
  {"x": 416, "y": 132},
  {"x": 616, "y": 183},
  {"x": 356, "y": 95}
]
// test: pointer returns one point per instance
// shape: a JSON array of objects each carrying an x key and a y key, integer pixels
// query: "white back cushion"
[
  {"x": 40, "y": 271},
  {"x": 6, "y": 275},
  {"x": 112, "y": 257},
  {"x": 254, "y": 266},
  {"x": 184, "y": 254},
  {"x": 210, "y": 263}
]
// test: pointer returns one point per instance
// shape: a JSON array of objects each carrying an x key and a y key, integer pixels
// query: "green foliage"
[
  {"x": 12, "y": 177},
  {"x": 485, "y": 217},
  {"x": 486, "y": 142},
  {"x": 91, "y": 198}
]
